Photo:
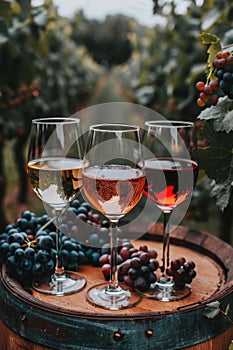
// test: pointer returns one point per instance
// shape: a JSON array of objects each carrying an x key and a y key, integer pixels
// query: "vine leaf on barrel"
[{"x": 212, "y": 309}]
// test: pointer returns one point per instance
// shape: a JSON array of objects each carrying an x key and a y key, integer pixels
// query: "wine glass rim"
[
  {"x": 115, "y": 127},
  {"x": 54, "y": 120},
  {"x": 169, "y": 123}
]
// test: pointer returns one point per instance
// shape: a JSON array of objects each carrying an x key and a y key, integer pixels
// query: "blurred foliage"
[
  {"x": 36, "y": 50},
  {"x": 105, "y": 47}
]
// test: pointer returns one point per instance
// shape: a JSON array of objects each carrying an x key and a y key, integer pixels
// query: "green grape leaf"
[
  {"x": 214, "y": 46},
  {"x": 231, "y": 346},
  {"x": 222, "y": 114},
  {"x": 222, "y": 194},
  {"x": 217, "y": 161},
  {"x": 212, "y": 309}
]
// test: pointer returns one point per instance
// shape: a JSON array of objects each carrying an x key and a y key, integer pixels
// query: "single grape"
[
  {"x": 133, "y": 273},
  {"x": 214, "y": 100},
  {"x": 106, "y": 271},
  {"x": 38, "y": 269},
  {"x": 29, "y": 253},
  {"x": 143, "y": 248},
  {"x": 124, "y": 253},
  {"x": 200, "y": 102},
  {"x": 141, "y": 284},
  {"x": 26, "y": 265},
  {"x": 42, "y": 256},
  {"x": 214, "y": 85},
  {"x": 46, "y": 242},
  {"x": 207, "y": 90},
  {"x": 73, "y": 256},
  {"x": 95, "y": 259},
  {"x": 175, "y": 264},
  {"x": 128, "y": 281},
  {"x": 152, "y": 253},
  {"x": 200, "y": 85},
  {"x": 136, "y": 262}
]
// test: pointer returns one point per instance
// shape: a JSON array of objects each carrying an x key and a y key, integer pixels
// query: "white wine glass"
[
  {"x": 171, "y": 176},
  {"x": 54, "y": 167},
  {"x": 113, "y": 183}
]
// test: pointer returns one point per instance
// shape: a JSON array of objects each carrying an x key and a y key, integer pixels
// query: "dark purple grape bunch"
[
  {"x": 182, "y": 272},
  {"x": 27, "y": 246},
  {"x": 136, "y": 267},
  {"x": 223, "y": 71}
]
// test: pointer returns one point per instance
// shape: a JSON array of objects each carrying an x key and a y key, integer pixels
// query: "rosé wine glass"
[{"x": 113, "y": 183}]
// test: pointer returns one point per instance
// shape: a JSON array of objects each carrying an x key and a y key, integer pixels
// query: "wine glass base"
[
  {"x": 119, "y": 299},
  {"x": 167, "y": 292},
  {"x": 68, "y": 283}
]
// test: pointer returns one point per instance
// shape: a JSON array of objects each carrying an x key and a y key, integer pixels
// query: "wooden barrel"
[{"x": 34, "y": 321}]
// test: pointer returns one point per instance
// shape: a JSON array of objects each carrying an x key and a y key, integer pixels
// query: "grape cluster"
[
  {"x": 223, "y": 71},
  {"x": 27, "y": 247},
  {"x": 182, "y": 272},
  {"x": 136, "y": 267}
]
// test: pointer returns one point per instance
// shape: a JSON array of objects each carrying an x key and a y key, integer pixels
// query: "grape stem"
[{"x": 226, "y": 315}]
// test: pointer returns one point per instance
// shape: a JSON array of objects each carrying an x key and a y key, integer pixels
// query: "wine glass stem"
[
  {"x": 59, "y": 268},
  {"x": 166, "y": 242},
  {"x": 113, "y": 282}
]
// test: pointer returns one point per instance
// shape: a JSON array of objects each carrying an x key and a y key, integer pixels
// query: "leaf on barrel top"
[
  {"x": 212, "y": 309},
  {"x": 217, "y": 161}
]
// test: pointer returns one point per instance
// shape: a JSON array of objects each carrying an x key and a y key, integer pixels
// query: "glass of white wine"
[{"x": 54, "y": 167}]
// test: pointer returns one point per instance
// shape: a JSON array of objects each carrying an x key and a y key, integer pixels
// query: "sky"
[{"x": 142, "y": 10}]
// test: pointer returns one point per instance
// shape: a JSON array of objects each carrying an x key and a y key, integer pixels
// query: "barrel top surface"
[{"x": 214, "y": 265}]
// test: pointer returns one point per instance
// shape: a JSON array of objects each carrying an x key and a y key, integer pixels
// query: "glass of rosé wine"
[
  {"x": 113, "y": 183},
  {"x": 171, "y": 176},
  {"x": 54, "y": 167}
]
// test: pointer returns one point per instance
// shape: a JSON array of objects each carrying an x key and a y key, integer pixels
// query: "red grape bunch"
[
  {"x": 136, "y": 267},
  {"x": 222, "y": 68},
  {"x": 182, "y": 272}
]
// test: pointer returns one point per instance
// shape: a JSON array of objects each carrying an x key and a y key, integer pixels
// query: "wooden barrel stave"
[{"x": 58, "y": 326}]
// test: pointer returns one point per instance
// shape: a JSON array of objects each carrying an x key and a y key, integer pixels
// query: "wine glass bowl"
[
  {"x": 54, "y": 169},
  {"x": 171, "y": 177},
  {"x": 113, "y": 183}
]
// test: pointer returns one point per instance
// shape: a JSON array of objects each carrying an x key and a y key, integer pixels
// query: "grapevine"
[{"x": 219, "y": 73}]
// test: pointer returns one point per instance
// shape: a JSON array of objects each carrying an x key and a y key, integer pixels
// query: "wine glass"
[
  {"x": 171, "y": 175},
  {"x": 113, "y": 183},
  {"x": 54, "y": 169}
]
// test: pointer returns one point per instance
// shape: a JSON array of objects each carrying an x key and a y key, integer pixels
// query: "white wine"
[{"x": 56, "y": 180}]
